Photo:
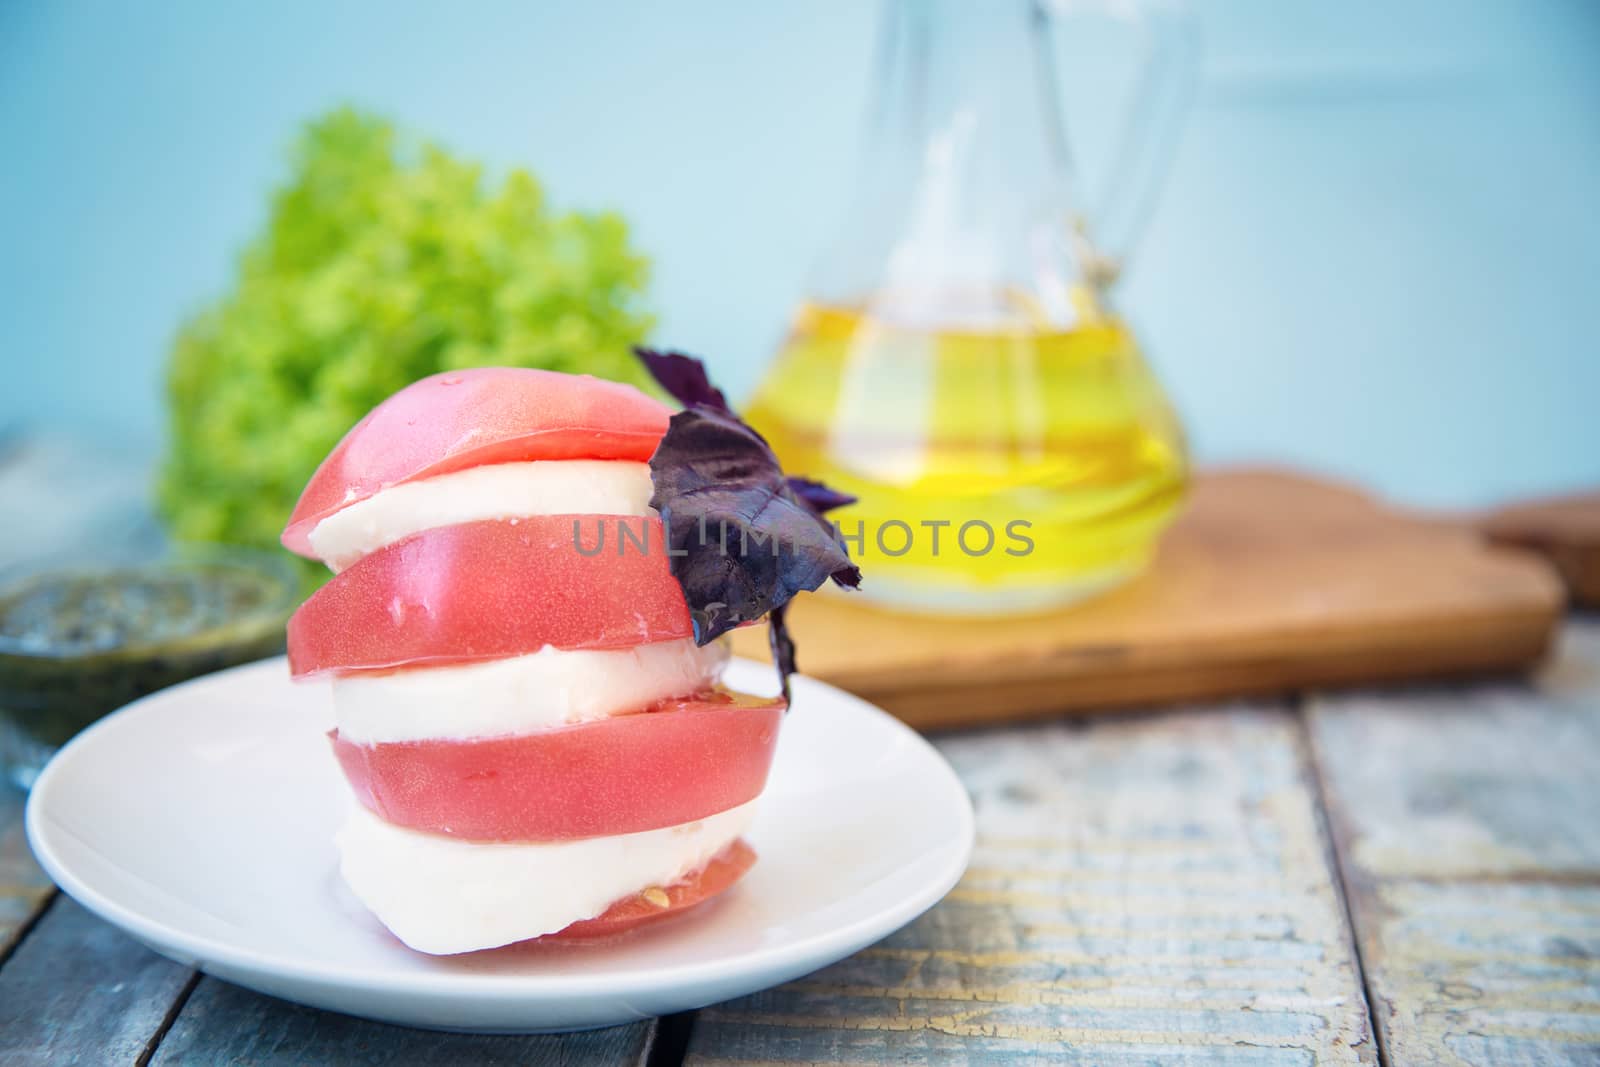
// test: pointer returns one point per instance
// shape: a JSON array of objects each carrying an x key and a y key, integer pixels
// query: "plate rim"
[{"x": 208, "y": 952}]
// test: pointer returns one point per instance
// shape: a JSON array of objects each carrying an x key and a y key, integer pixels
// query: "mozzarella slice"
[
  {"x": 441, "y": 895},
  {"x": 497, "y": 491},
  {"x": 522, "y": 694}
]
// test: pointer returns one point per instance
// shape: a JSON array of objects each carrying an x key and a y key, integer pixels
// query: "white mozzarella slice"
[
  {"x": 442, "y": 895},
  {"x": 497, "y": 491},
  {"x": 521, "y": 694}
]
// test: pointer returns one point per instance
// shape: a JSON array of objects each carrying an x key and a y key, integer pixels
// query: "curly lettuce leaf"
[{"x": 381, "y": 262}]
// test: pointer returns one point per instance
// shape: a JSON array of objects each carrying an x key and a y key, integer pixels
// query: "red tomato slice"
[
  {"x": 725, "y": 868},
  {"x": 686, "y": 760},
  {"x": 491, "y": 589},
  {"x": 465, "y": 418}
]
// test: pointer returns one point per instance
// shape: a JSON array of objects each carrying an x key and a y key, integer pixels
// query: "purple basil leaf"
[
  {"x": 818, "y": 497},
  {"x": 742, "y": 538},
  {"x": 682, "y": 376},
  {"x": 742, "y": 543},
  {"x": 782, "y": 647}
]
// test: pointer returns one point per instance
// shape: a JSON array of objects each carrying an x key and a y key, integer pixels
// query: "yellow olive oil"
[{"x": 1000, "y": 466}]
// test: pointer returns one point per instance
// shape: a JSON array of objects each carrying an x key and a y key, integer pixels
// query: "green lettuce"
[{"x": 382, "y": 262}]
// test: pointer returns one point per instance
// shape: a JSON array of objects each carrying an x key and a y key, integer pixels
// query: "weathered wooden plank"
[
  {"x": 224, "y": 1024},
  {"x": 1143, "y": 891},
  {"x": 24, "y": 888},
  {"x": 1468, "y": 823},
  {"x": 77, "y": 990}
]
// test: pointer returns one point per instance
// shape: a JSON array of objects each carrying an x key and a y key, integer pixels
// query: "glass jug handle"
[{"x": 1168, "y": 42}]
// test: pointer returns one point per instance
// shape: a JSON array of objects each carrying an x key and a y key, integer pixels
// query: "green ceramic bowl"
[{"x": 77, "y": 643}]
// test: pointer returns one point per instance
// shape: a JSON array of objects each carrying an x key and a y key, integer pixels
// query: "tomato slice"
[
  {"x": 465, "y": 418},
  {"x": 491, "y": 589},
  {"x": 725, "y": 868},
  {"x": 687, "y": 759}
]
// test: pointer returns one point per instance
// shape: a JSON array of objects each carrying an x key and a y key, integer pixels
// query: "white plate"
[{"x": 200, "y": 820}]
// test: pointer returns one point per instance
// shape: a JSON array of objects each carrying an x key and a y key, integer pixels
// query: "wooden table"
[{"x": 1400, "y": 877}]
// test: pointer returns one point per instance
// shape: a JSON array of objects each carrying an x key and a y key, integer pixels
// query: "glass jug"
[{"x": 957, "y": 364}]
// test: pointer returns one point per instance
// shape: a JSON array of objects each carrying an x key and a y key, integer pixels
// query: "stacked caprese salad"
[{"x": 524, "y": 677}]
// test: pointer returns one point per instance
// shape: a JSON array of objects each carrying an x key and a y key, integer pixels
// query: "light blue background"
[{"x": 1379, "y": 255}]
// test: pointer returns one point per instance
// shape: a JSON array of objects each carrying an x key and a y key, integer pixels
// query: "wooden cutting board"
[{"x": 1270, "y": 582}]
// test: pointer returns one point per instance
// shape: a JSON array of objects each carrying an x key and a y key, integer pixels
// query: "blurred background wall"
[{"x": 1378, "y": 254}]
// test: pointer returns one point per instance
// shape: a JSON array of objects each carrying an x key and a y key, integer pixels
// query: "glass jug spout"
[
  {"x": 956, "y": 365},
  {"x": 969, "y": 188}
]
